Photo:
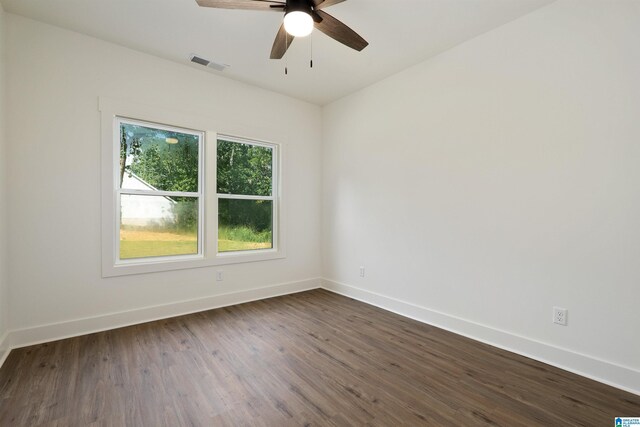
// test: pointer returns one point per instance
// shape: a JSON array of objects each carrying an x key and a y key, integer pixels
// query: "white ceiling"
[{"x": 400, "y": 33}]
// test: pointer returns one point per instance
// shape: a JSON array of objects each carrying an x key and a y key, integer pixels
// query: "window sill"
[
  {"x": 248, "y": 256},
  {"x": 157, "y": 265}
]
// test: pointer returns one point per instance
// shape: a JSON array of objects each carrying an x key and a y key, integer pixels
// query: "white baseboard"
[
  {"x": 5, "y": 347},
  {"x": 621, "y": 377},
  {"x": 609, "y": 373},
  {"x": 56, "y": 331}
]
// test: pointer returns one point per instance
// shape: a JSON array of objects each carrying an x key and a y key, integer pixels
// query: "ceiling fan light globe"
[{"x": 298, "y": 24}]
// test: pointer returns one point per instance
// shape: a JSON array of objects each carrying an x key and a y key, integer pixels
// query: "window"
[
  {"x": 159, "y": 194},
  {"x": 176, "y": 194},
  {"x": 245, "y": 187}
]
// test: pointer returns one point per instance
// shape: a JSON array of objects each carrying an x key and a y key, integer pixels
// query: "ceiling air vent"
[{"x": 206, "y": 63}]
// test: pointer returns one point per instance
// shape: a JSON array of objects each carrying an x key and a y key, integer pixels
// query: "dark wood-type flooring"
[{"x": 313, "y": 358}]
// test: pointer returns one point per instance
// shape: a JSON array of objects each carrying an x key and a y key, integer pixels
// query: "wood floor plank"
[{"x": 313, "y": 358}]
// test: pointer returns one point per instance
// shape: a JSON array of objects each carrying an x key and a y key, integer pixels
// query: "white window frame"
[
  {"x": 199, "y": 194},
  {"x": 208, "y": 256},
  {"x": 275, "y": 173}
]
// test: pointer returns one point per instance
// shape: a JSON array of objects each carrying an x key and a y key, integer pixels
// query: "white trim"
[
  {"x": 277, "y": 249},
  {"x": 243, "y": 197},
  {"x": 609, "y": 373},
  {"x": 110, "y": 109},
  {"x": 622, "y": 377},
  {"x": 72, "y": 328},
  {"x": 5, "y": 347},
  {"x": 158, "y": 193},
  {"x": 155, "y": 260}
]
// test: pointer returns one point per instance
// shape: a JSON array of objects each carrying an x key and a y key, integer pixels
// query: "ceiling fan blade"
[
  {"x": 281, "y": 43},
  {"x": 339, "y": 31},
  {"x": 321, "y": 4},
  {"x": 244, "y": 4}
]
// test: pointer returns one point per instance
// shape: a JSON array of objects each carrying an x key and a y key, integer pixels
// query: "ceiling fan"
[{"x": 300, "y": 17}]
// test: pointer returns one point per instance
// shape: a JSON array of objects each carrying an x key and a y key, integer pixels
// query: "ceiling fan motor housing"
[{"x": 299, "y": 6}]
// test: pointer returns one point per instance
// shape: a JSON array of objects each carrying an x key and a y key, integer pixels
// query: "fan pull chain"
[
  {"x": 286, "y": 61},
  {"x": 311, "y": 61}
]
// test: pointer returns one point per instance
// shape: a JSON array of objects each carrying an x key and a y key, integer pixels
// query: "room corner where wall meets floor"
[
  {"x": 312, "y": 358},
  {"x": 77, "y": 327},
  {"x": 496, "y": 181},
  {"x": 608, "y": 373}
]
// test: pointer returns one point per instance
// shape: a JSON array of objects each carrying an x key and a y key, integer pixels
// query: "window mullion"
[
  {"x": 158, "y": 193},
  {"x": 243, "y": 197}
]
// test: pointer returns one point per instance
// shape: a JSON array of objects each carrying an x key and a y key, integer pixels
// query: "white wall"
[
  {"x": 54, "y": 80},
  {"x": 4, "y": 272},
  {"x": 499, "y": 179}
]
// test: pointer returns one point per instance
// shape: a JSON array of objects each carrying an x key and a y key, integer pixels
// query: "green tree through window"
[
  {"x": 245, "y": 196},
  {"x": 159, "y": 183}
]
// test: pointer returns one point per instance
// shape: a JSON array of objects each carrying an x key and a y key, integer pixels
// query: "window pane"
[
  {"x": 244, "y": 169},
  {"x": 152, "y": 226},
  {"x": 244, "y": 225},
  {"x": 157, "y": 159}
]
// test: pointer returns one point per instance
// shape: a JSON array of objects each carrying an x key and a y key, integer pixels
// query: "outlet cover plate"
[{"x": 560, "y": 316}]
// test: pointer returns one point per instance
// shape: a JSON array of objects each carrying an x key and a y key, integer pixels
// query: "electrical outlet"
[
  {"x": 560, "y": 316},
  {"x": 361, "y": 271},
  {"x": 219, "y": 276}
]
